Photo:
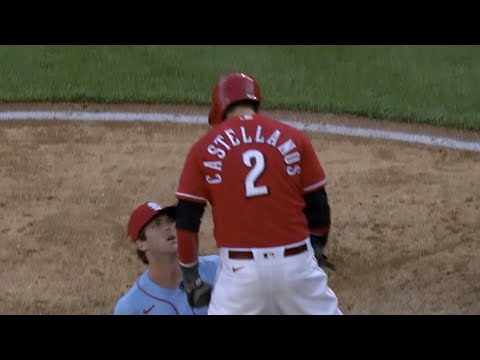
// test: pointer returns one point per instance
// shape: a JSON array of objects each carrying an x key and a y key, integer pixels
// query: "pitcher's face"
[{"x": 161, "y": 236}]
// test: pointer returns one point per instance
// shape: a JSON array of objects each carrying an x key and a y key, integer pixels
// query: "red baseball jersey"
[{"x": 254, "y": 172}]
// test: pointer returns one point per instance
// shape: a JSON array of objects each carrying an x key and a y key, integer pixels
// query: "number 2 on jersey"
[{"x": 257, "y": 169}]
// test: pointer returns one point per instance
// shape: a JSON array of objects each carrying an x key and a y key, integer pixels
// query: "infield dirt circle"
[{"x": 405, "y": 217}]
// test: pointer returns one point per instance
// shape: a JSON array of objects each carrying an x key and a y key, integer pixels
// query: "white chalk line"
[{"x": 199, "y": 119}]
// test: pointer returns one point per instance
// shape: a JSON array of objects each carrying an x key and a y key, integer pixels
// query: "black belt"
[{"x": 234, "y": 254}]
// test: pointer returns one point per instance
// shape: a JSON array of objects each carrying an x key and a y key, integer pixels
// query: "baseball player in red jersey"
[{"x": 270, "y": 210}]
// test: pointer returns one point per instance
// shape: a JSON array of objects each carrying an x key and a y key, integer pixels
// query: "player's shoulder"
[
  {"x": 127, "y": 304},
  {"x": 122, "y": 307}
]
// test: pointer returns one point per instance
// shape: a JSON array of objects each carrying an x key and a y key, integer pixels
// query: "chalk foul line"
[{"x": 200, "y": 119}]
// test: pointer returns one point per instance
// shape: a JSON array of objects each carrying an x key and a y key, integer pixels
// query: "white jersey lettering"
[
  {"x": 258, "y": 135},
  {"x": 272, "y": 140},
  {"x": 215, "y": 165},
  {"x": 219, "y": 139},
  {"x": 231, "y": 136},
  {"x": 286, "y": 147},
  {"x": 217, "y": 179},
  {"x": 292, "y": 158},
  {"x": 246, "y": 139},
  {"x": 216, "y": 151}
]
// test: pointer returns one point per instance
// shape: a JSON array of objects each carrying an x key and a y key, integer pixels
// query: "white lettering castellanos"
[{"x": 231, "y": 138}]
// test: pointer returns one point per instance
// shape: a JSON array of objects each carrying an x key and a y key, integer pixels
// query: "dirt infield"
[{"x": 405, "y": 217}]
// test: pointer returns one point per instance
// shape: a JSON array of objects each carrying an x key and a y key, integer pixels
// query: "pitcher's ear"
[{"x": 141, "y": 245}]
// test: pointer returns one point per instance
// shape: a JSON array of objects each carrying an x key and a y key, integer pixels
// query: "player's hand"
[
  {"x": 198, "y": 292},
  {"x": 318, "y": 244},
  {"x": 324, "y": 262}
]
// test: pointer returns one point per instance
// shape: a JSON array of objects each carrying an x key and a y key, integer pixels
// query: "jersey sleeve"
[
  {"x": 208, "y": 265},
  {"x": 192, "y": 184},
  {"x": 312, "y": 175}
]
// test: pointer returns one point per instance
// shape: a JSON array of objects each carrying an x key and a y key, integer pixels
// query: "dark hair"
[{"x": 141, "y": 254}]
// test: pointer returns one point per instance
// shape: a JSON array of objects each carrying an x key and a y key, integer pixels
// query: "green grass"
[{"x": 439, "y": 85}]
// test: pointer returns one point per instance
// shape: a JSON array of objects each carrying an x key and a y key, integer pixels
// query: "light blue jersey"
[{"x": 147, "y": 298}]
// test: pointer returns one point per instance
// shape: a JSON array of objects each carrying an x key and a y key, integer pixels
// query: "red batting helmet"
[{"x": 230, "y": 89}]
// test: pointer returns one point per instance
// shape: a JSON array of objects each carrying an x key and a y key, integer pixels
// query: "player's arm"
[
  {"x": 313, "y": 179},
  {"x": 192, "y": 199},
  {"x": 317, "y": 212},
  {"x": 317, "y": 208},
  {"x": 188, "y": 218}
]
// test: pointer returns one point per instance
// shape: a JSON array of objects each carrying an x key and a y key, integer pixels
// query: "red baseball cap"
[{"x": 142, "y": 215}]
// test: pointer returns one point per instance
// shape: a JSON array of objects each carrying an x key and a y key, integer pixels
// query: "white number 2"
[{"x": 254, "y": 174}]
